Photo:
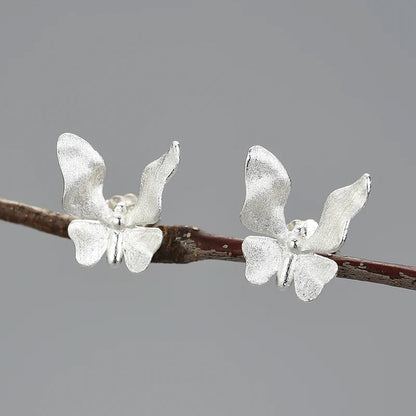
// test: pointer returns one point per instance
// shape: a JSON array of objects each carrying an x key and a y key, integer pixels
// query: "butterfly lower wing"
[
  {"x": 90, "y": 239},
  {"x": 139, "y": 244},
  {"x": 154, "y": 178},
  {"x": 340, "y": 207},
  {"x": 264, "y": 258},
  {"x": 311, "y": 273},
  {"x": 267, "y": 190},
  {"x": 83, "y": 170}
]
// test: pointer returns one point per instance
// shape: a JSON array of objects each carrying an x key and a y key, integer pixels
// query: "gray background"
[{"x": 328, "y": 86}]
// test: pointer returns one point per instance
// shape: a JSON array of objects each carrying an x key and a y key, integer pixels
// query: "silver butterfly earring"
[
  {"x": 119, "y": 226},
  {"x": 288, "y": 251}
]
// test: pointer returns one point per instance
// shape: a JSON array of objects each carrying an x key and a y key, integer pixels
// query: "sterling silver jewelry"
[
  {"x": 118, "y": 226},
  {"x": 288, "y": 251}
]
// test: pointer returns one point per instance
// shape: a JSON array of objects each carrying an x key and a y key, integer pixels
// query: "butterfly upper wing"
[
  {"x": 139, "y": 244},
  {"x": 264, "y": 258},
  {"x": 154, "y": 177},
  {"x": 340, "y": 207},
  {"x": 267, "y": 190},
  {"x": 90, "y": 239},
  {"x": 83, "y": 170},
  {"x": 311, "y": 273}
]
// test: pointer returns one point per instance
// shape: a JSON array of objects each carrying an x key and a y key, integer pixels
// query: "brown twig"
[{"x": 184, "y": 244}]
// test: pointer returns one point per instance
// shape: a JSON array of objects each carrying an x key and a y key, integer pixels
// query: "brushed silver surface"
[
  {"x": 83, "y": 171},
  {"x": 119, "y": 226},
  {"x": 267, "y": 190},
  {"x": 288, "y": 251}
]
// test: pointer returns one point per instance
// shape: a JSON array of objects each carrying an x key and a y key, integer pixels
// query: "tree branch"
[{"x": 184, "y": 244}]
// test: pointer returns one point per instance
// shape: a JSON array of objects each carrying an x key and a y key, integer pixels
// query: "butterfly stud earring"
[
  {"x": 119, "y": 226},
  {"x": 289, "y": 251}
]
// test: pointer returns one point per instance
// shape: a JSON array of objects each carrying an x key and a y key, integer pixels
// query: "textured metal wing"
[
  {"x": 267, "y": 190},
  {"x": 139, "y": 244},
  {"x": 83, "y": 170},
  {"x": 264, "y": 257},
  {"x": 90, "y": 239},
  {"x": 154, "y": 177},
  {"x": 311, "y": 273},
  {"x": 340, "y": 207}
]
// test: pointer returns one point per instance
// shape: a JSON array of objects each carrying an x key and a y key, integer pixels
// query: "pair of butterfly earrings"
[{"x": 123, "y": 226}]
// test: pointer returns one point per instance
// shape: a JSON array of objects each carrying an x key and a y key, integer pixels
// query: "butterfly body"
[
  {"x": 115, "y": 248},
  {"x": 284, "y": 275},
  {"x": 120, "y": 206},
  {"x": 291, "y": 249}
]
